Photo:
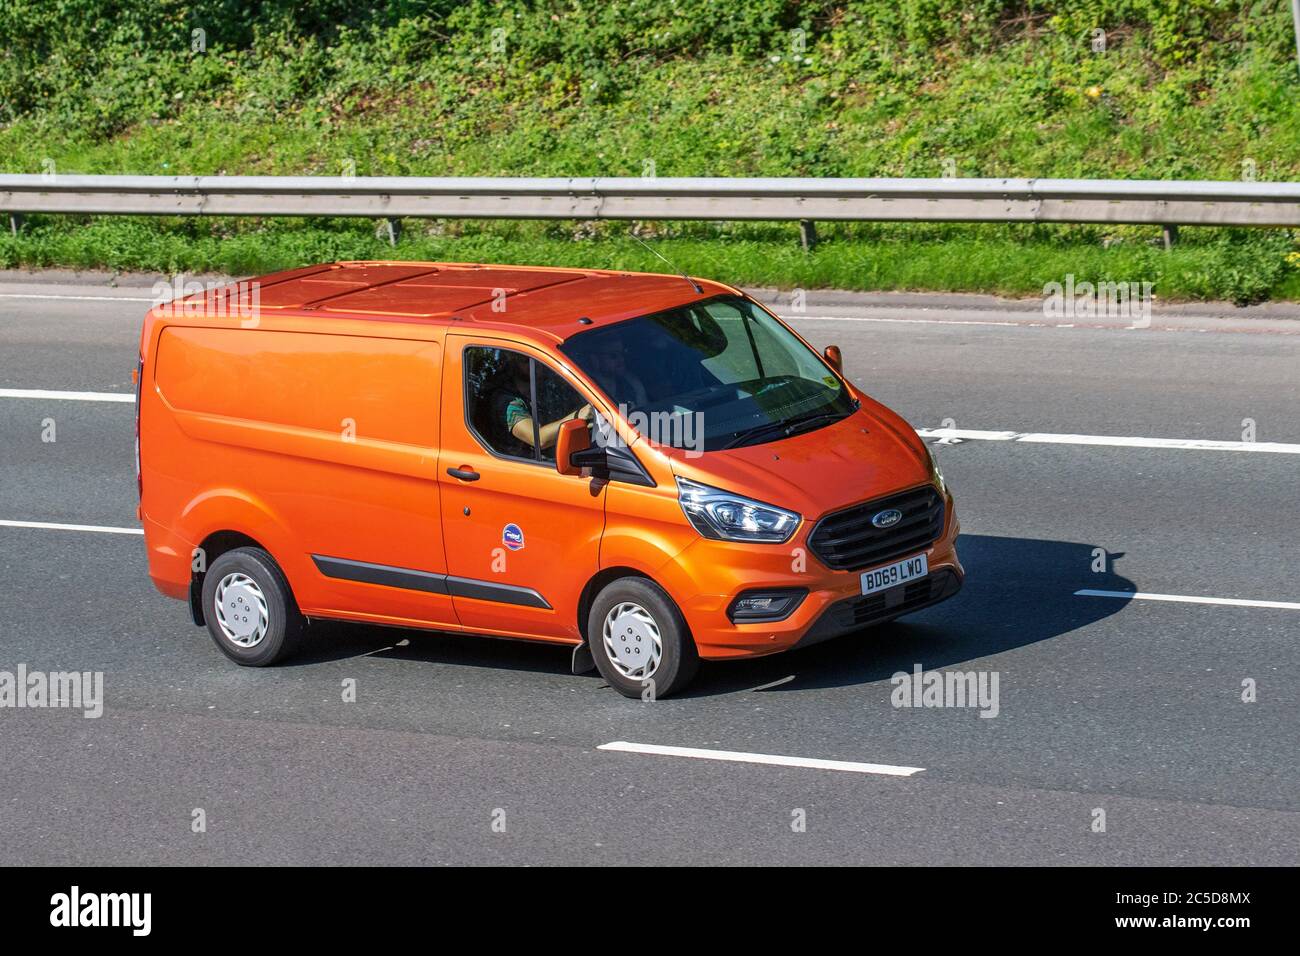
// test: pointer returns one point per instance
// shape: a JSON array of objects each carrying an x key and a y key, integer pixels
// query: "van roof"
[{"x": 549, "y": 300}]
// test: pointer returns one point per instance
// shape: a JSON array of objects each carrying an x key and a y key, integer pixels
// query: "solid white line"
[
  {"x": 78, "y": 298},
  {"x": 812, "y": 763},
  {"x": 1189, "y": 599},
  {"x": 52, "y": 526},
  {"x": 1114, "y": 441},
  {"x": 67, "y": 396},
  {"x": 805, "y": 317},
  {"x": 1032, "y": 323},
  {"x": 963, "y": 434}
]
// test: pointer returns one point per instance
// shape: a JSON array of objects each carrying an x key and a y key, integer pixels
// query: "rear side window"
[{"x": 515, "y": 404}]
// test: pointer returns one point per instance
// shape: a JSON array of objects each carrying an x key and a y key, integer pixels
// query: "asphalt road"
[{"x": 462, "y": 750}]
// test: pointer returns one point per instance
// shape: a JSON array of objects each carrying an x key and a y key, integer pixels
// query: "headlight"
[
  {"x": 935, "y": 474},
  {"x": 720, "y": 514}
]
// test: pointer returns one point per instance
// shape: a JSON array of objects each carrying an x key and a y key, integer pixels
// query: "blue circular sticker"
[{"x": 512, "y": 536}]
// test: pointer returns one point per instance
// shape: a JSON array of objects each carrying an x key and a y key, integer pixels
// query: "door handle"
[{"x": 464, "y": 474}]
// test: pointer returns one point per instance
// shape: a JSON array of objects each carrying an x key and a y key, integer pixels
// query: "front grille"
[{"x": 847, "y": 540}]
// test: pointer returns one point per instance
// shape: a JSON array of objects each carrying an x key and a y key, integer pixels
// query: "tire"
[
  {"x": 254, "y": 583},
  {"x": 644, "y": 609}
]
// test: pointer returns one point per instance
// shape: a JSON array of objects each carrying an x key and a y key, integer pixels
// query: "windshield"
[{"x": 714, "y": 374}]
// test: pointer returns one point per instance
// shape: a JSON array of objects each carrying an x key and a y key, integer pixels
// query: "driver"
[
  {"x": 609, "y": 369},
  {"x": 511, "y": 405}
]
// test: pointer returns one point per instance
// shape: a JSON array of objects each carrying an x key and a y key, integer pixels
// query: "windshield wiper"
[
  {"x": 788, "y": 428},
  {"x": 745, "y": 434},
  {"x": 810, "y": 422}
]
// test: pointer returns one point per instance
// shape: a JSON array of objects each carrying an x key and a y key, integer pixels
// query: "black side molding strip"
[
  {"x": 493, "y": 591},
  {"x": 412, "y": 580},
  {"x": 381, "y": 574}
]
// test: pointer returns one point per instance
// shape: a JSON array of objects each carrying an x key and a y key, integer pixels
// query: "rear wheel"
[
  {"x": 639, "y": 639},
  {"x": 250, "y": 611}
]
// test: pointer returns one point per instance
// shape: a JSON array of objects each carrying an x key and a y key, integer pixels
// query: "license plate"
[{"x": 900, "y": 572}]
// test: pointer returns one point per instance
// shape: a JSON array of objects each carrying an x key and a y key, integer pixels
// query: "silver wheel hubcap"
[
  {"x": 632, "y": 641},
  {"x": 241, "y": 610}
]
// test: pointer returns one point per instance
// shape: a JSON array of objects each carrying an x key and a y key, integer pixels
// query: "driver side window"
[
  {"x": 556, "y": 401},
  {"x": 515, "y": 404}
]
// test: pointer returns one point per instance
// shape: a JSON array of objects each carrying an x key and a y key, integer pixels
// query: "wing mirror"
[
  {"x": 834, "y": 358},
  {"x": 573, "y": 439}
]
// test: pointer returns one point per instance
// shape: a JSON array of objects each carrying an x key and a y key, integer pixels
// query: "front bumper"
[
  {"x": 834, "y": 604},
  {"x": 856, "y": 613}
]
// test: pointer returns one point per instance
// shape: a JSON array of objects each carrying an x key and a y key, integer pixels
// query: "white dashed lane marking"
[
  {"x": 1113, "y": 441},
  {"x": 54, "y": 526},
  {"x": 49, "y": 396},
  {"x": 1188, "y": 599},
  {"x": 732, "y": 756}
]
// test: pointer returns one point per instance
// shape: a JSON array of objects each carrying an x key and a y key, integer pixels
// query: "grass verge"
[{"x": 1243, "y": 267}]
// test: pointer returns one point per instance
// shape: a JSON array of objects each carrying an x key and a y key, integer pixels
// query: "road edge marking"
[
  {"x": 1033, "y": 323},
  {"x": 943, "y": 434},
  {"x": 75, "y": 298}
]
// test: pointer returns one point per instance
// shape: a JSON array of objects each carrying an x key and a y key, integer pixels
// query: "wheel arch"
[
  {"x": 227, "y": 517},
  {"x": 210, "y": 548},
  {"x": 596, "y": 584}
]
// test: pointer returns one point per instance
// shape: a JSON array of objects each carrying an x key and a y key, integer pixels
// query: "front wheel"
[
  {"x": 250, "y": 611},
  {"x": 639, "y": 640}
]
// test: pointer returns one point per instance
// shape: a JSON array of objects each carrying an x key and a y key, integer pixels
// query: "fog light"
[{"x": 774, "y": 604}]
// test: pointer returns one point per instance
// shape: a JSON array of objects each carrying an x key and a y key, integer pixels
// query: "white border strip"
[
  {"x": 1188, "y": 599},
  {"x": 67, "y": 396},
  {"x": 1113, "y": 441},
  {"x": 812, "y": 763},
  {"x": 51, "y": 526}
]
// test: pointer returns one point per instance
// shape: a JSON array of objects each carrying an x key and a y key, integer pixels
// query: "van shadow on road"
[
  {"x": 1018, "y": 591},
  {"x": 339, "y": 640}
]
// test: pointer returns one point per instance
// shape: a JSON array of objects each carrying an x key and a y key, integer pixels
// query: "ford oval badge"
[{"x": 887, "y": 518}]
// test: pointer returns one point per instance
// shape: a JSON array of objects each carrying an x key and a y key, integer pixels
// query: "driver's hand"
[{"x": 586, "y": 413}]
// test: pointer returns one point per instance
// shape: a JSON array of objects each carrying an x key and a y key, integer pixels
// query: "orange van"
[{"x": 648, "y": 469}]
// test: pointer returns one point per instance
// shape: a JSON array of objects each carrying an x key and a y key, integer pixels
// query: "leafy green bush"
[{"x": 1183, "y": 89}]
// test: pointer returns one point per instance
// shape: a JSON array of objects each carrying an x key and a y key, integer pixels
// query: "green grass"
[
  {"x": 948, "y": 258},
  {"x": 1184, "y": 89}
]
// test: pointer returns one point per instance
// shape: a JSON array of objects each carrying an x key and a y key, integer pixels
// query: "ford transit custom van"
[{"x": 649, "y": 470}]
